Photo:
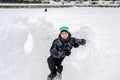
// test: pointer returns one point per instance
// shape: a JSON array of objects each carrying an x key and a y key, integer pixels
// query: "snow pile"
[
  {"x": 26, "y": 38},
  {"x": 24, "y": 49}
]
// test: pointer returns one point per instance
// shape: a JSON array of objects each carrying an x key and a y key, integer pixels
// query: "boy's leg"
[
  {"x": 60, "y": 69},
  {"x": 59, "y": 66},
  {"x": 51, "y": 64}
]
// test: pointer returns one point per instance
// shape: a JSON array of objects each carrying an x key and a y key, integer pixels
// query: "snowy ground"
[{"x": 27, "y": 34}]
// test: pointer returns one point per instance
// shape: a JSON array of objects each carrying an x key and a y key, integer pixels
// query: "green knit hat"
[{"x": 64, "y": 28}]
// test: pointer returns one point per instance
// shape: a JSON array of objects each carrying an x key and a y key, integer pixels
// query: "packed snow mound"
[
  {"x": 24, "y": 49},
  {"x": 26, "y": 38}
]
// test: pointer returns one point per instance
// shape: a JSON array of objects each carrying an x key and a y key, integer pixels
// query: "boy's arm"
[
  {"x": 53, "y": 48},
  {"x": 77, "y": 42}
]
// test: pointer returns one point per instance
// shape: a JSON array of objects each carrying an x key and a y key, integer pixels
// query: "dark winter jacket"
[{"x": 61, "y": 48}]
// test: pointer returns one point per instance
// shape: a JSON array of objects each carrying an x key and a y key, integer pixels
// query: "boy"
[{"x": 61, "y": 47}]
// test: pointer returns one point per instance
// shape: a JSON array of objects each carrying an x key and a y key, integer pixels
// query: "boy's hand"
[
  {"x": 83, "y": 42},
  {"x": 67, "y": 53}
]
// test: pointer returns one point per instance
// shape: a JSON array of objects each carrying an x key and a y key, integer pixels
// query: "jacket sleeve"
[
  {"x": 54, "y": 52},
  {"x": 53, "y": 48},
  {"x": 77, "y": 42}
]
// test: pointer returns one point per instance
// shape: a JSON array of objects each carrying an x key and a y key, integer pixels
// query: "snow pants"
[{"x": 55, "y": 65}]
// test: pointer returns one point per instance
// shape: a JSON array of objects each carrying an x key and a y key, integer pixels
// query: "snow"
[{"x": 27, "y": 34}]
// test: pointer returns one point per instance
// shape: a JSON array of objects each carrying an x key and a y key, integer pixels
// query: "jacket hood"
[{"x": 68, "y": 36}]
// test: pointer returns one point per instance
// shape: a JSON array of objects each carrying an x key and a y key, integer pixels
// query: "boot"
[{"x": 51, "y": 76}]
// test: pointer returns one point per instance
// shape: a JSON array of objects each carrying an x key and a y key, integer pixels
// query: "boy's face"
[{"x": 64, "y": 35}]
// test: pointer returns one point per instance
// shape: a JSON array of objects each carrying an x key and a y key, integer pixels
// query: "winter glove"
[
  {"x": 82, "y": 41},
  {"x": 79, "y": 42},
  {"x": 67, "y": 53}
]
